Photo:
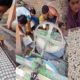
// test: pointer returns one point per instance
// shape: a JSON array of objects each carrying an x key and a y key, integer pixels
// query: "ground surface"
[
  {"x": 73, "y": 51},
  {"x": 7, "y": 70}
]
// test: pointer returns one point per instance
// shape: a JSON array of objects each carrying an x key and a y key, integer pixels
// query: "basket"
[{"x": 46, "y": 41}]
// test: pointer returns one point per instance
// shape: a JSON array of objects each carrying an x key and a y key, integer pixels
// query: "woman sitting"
[{"x": 73, "y": 17}]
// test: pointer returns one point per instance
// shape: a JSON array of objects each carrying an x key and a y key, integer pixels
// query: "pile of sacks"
[{"x": 73, "y": 52}]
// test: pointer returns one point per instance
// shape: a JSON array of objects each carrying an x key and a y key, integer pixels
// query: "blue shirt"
[
  {"x": 53, "y": 20},
  {"x": 35, "y": 20}
]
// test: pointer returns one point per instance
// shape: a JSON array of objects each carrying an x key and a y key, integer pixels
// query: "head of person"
[
  {"x": 22, "y": 20},
  {"x": 74, "y": 5},
  {"x": 4, "y": 6},
  {"x": 45, "y": 11},
  {"x": 17, "y": 1},
  {"x": 33, "y": 12}
]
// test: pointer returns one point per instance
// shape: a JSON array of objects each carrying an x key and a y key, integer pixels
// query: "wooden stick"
[{"x": 18, "y": 41}]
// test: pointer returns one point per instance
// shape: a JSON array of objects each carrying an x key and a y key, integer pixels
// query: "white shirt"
[{"x": 22, "y": 11}]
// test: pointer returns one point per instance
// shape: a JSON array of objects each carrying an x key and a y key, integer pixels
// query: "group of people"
[
  {"x": 50, "y": 14},
  {"x": 26, "y": 15},
  {"x": 28, "y": 20}
]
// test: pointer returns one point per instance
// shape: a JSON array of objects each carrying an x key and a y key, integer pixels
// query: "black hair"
[
  {"x": 45, "y": 9},
  {"x": 68, "y": 0},
  {"x": 33, "y": 11},
  {"x": 6, "y": 3},
  {"x": 22, "y": 19}
]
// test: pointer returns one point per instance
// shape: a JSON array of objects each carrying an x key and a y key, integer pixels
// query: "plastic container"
[{"x": 46, "y": 42}]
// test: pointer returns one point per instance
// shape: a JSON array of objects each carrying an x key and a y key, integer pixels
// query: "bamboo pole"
[{"x": 18, "y": 41}]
